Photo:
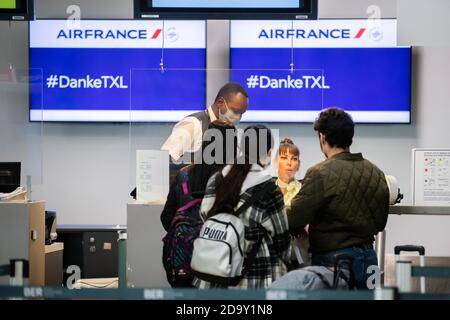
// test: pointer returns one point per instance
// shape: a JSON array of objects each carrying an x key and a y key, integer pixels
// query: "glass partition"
[
  {"x": 160, "y": 98},
  {"x": 20, "y": 140}
]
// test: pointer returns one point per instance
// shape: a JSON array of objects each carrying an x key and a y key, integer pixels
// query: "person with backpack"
[
  {"x": 180, "y": 216},
  {"x": 244, "y": 241}
]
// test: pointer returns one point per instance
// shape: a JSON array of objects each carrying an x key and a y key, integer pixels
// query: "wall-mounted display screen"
[
  {"x": 231, "y": 9},
  {"x": 292, "y": 70},
  {"x": 227, "y": 4},
  {"x": 121, "y": 70}
]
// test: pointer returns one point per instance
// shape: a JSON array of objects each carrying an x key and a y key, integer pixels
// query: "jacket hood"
[{"x": 257, "y": 175}]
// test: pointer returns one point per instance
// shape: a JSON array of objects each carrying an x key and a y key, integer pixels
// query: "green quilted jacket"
[{"x": 345, "y": 201}]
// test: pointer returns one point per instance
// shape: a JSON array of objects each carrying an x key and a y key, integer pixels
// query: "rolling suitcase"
[{"x": 398, "y": 268}]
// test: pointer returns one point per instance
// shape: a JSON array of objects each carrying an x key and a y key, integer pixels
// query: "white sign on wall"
[
  {"x": 431, "y": 177},
  {"x": 152, "y": 175}
]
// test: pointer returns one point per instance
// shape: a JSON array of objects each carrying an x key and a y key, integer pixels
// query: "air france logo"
[
  {"x": 308, "y": 34},
  {"x": 172, "y": 34},
  {"x": 109, "y": 34},
  {"x": 376, "y": 34},
  {"x": 303, "y": 82}
]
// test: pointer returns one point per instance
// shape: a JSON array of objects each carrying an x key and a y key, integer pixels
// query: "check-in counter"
[{"x": 144, "y": 245}]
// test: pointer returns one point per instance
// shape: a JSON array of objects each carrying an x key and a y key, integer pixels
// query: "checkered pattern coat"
[{"x": 269, "y": 211}]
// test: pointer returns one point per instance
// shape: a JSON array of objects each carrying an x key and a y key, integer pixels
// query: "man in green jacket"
[{"x": 344, "y": 199}]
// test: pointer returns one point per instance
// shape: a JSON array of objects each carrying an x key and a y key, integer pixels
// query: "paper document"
[
  {"x": 152, "y": 175},
  {"x": 431, "y": 177}
]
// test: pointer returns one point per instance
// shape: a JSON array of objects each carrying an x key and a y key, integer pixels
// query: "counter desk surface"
[{"x": 419, "y": 210}]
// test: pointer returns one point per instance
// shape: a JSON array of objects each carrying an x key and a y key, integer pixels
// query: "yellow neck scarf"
[{"x": 289, "y": 190}]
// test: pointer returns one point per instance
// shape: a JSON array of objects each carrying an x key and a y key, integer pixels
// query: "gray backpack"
[{"x": 319, "y": 277}]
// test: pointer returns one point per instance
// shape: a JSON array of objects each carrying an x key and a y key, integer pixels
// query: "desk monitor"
[
  {"x": 9, "y": 176},
  {"x": 16, "y": 10}
]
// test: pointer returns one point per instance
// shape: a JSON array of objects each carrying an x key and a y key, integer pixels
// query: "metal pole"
[
  {"x": 17, "y": 280},
  {"x": 403, "y": 276},
  {"x": 122, "y": 267},
  {"x": 28, "y": 187},
  {"x": 422, "y": 279},
  {"x": 380, "y": 248}
]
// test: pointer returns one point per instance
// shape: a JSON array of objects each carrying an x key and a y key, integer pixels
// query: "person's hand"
[
  {"x": 300, "y": 236},
  {"x": 307, "y": 229}
]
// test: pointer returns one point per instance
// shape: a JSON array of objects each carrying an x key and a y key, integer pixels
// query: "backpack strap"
[
  {"x": 190, "y": 204},
  {"x": 184, "y": 182},
  {"x": 184, "y": 176},
  {"x": 339, "y": 261},
  {"x": 321, "y": 277}
]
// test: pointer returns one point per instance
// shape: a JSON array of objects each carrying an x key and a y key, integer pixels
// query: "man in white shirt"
[{"x": 230, "y": 103}]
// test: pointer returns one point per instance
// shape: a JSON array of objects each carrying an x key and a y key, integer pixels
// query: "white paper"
[
  {"x": 152, "y": 175},
  {"x": 431, "y": 177}
]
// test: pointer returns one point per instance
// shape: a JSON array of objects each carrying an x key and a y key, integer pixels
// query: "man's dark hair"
[
  {"x": 230, "y": 89},
  {"x": 337, "y": 126}
]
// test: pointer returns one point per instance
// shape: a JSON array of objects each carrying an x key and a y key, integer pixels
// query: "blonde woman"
[{"x": 288, "y": 163}]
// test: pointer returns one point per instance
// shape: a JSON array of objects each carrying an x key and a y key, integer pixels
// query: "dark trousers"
[{"x": 364, "y": 256}]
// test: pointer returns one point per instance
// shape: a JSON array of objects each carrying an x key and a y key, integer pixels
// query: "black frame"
[
  {"x": 143, "y": 10},
  {"x": 24, "y": 11}
]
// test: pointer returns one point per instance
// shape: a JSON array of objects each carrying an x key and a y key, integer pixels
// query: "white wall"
[{"x": 87, "y": 169}]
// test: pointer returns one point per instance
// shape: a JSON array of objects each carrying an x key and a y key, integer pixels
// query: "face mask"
[
  {"x": 321, "y": 148},
  {"x": 229, "y": 115}
]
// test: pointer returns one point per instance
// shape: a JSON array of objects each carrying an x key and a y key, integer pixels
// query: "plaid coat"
[{"x": 268, "y": 211}]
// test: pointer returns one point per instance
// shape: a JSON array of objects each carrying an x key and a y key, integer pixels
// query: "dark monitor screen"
[
  {"x": 16, "y": 9},
  {"x": 9, "y": 176},
  {"x": 229, "y": 9}
]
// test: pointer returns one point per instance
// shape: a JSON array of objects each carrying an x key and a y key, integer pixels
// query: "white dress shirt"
[{"x": 186, "y": 136}]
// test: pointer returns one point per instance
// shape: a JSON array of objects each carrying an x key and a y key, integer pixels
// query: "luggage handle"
[
  {"x": 413, "y": 248},
  {"x": 409, "y": 248}
]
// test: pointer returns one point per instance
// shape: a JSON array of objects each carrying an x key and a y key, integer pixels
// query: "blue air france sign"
[
  {"x": 99, "y": 70},
  {"x": 293, "y": 69}
]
